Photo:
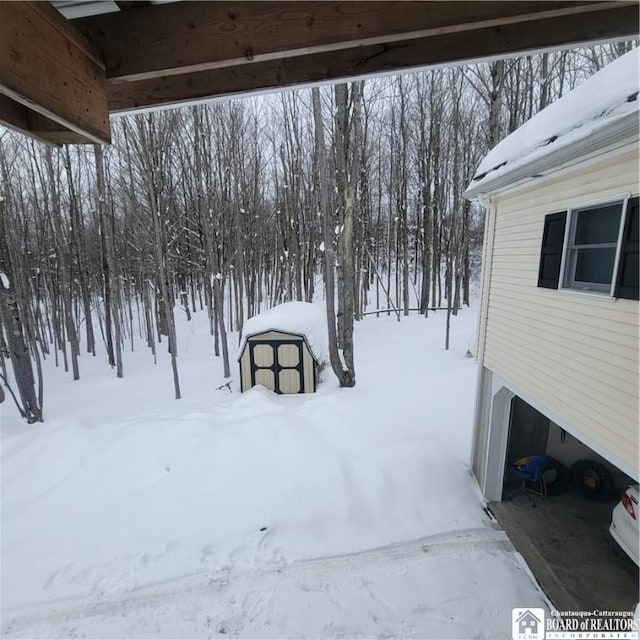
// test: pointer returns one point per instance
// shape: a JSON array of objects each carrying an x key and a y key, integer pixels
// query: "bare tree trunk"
[
  {"x": 347, "y": 172},
  {"x": 402, "y": 198},
  {"x": 466, "y": 269},
  {"x": 77, "y": 234},
  {"x": 329, "y": 251},
  {"x": 167, "y": 301},
  {"x": 66, "y": 293},
  {"x": 218, "y": 302},
  {"x": 114, "y": 350},
  {"x": 495, "y": 102},
  {"x": 11, "y": 321},
  {"x": 544, "y": 81},
  {"x": 211, "y": 241}
]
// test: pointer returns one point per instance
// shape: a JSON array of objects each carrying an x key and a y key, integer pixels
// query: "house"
[
  {"x": 528, "y": 623},
  {"x": 285, "y": 348},
  {"x": 557, "y": 341}
]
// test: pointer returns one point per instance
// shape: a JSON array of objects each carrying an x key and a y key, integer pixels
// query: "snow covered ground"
[{"x": 346, "y": 513}]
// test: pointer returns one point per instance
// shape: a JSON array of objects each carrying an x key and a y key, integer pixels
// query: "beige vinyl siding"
[{"x": 574, "y": 353}]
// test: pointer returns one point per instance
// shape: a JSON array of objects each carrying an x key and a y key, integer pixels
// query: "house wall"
[
  {"x": 478, "y": 461},
  {"x": 288, "y": 379},
  {"x": 574, "y": 354}
]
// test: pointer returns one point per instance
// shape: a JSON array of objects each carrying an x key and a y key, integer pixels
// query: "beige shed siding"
[
  {"x": 274, "y": 335},
  {"x": 245, "y": 371},
  {"x": 308, "y": 365},
  {"x": 575, "y": 354}
]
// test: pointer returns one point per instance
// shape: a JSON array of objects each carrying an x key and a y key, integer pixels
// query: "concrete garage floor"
[{"x": 566, "y": 542}]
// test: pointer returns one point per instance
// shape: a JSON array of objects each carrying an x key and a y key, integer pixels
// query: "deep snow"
[
  {"x": 345, "y": 513},
  {"x": 302, "y": 318}
]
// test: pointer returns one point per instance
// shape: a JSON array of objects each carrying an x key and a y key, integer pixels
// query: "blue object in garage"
[{"x": 530, "y": 470}]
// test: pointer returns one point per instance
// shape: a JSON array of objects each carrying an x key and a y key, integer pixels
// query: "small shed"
[{"x": 285, "y": 348}]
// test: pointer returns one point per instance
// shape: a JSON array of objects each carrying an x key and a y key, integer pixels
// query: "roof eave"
[
  {"x": 245, "y": 340},
  {"x": 617, "y": 131}
]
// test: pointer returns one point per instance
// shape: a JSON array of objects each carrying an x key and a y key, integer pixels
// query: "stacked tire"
[
  {"x": 591, "y": 479},
  {"x": 556, "y": 478}
]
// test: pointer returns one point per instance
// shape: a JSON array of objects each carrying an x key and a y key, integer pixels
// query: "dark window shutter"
[
  {"x": 551, "y": 254},
  {"x": 627, "y": 282}
]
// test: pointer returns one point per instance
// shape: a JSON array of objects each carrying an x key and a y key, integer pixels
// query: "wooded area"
[{"x": 231, "y": 207}]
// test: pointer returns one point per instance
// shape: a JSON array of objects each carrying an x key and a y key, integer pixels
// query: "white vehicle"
[{"x": 624, "y": 523}]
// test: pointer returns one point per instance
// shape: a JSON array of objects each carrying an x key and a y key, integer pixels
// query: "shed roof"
[
  {"x": 601, "y": 111},
  {"x": 301, "y": 318}
]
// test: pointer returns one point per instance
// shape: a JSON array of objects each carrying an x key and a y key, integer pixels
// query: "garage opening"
[{"x": 561, "y": 525}]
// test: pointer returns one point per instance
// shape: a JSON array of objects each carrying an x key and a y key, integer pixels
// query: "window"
[
  {"x": 592, "y": 249},
  {"x": 592, "y": 245}
]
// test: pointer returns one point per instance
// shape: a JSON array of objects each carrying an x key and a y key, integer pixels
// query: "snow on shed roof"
[
  {"x": 302, "y": 318},
  {"x": 606, "y": 103}
]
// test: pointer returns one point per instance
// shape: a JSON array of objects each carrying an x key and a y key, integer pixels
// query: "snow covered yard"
[{"x": 345, "y": 513}]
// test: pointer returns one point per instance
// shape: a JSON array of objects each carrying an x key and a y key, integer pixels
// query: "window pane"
[
  {"x": 595, "y": 226},
  {"x": 594, "y": 265}
]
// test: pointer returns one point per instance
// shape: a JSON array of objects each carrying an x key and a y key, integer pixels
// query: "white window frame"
[{"x": 568, "y": 232}]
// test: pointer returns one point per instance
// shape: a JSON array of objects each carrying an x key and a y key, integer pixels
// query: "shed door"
[
  {"x": 262, "y": 366},
  {"x": 277, "y": 365}
]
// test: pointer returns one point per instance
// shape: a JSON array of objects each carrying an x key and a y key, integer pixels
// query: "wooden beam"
[
  {"x": 24, "y": 120},
  {"x": 187, "y": 37},
  {"x": 16, "y": 116},
  {"x": 620, "y": 21},
  {"x": 127, "y": 5},
  {"x": 49, "y": 68}
]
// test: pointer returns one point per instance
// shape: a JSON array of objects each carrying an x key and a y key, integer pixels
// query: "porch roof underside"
[{"x": 61, "y": 77}]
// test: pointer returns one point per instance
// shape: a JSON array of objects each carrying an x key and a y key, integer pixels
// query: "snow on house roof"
[
  {"x": 302, "y": 318},
  {"x": 602, "y": 110}
]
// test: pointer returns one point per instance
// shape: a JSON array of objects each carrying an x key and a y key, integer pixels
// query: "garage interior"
[{"x": 565, "y": 538}]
